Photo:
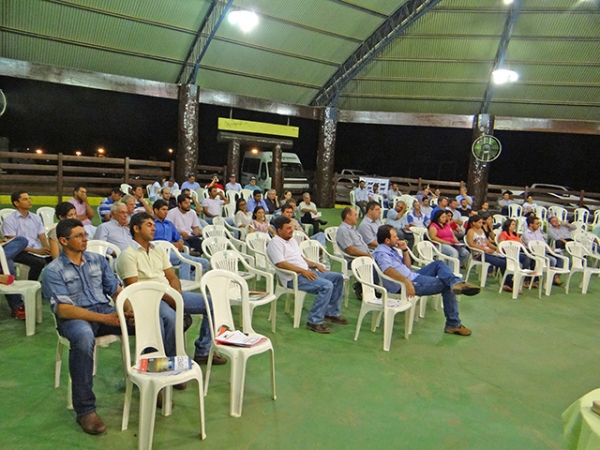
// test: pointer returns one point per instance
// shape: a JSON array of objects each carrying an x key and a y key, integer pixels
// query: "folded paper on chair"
[
  {"x": 165, "y": 364},
  {"x": 238, "y": 338},
  {"x": 257, "y": 295}
]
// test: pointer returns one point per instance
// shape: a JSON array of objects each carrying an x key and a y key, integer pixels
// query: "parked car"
[{"x": 547, "y": 199}]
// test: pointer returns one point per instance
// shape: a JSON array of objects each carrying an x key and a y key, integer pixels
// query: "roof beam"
[
  {"x": 212, "y": 20},
  {"x": 509, "y": 27},
  {"x": 395, "y": 24}
]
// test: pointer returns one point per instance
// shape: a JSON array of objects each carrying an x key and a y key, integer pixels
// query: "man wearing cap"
[
  {"x": 191, "y": 183},
  {"x": 214, "y": 182},
  {"x": 233, "y": 185},
  {"x": 252, "y": 185}
]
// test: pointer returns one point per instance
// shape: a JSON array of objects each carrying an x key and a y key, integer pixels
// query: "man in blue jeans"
[
  {"x": 77, "y": 284},
  {"x": 434, "y": 278},
  {"x": 12, "y": 247},
  {"x": 284, "y": 252}
]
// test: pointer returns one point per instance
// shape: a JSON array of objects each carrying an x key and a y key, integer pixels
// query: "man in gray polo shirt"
[
  {"x": 348, "y": 238},
  {"x": 370, "y": 224}
]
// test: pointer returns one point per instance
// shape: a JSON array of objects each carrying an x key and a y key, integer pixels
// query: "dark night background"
[{"x": 60, "y": 118}]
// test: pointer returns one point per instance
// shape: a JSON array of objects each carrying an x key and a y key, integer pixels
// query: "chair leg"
[
  {"x": 484, "y": 274},
  {"x": 30, "y": 307},
  {"x": 586, "y": 281},
  {"x": 58, "y": 364},
  {"x": 298, "y": 306},
  {"x": 273, "y": 315},
  {"x": 361, "y": 316},
  {"x": 568, "y": 282},
  {"x": 201, "y": 406},
  {"x": 273, "y": 390},
  {"x": 38, "y": 306},
  {"x": 549, "y": 280},
  {"x": 409, "y": 318},
  {"x": 208, "y": 367},
  {"x": 388, "y": 328},
  {"x": 127, "y": 404},
  {"x": 148, "y": 397},
  {"x": 70, "y": 394},
  {"x": 238, "y": 376}
]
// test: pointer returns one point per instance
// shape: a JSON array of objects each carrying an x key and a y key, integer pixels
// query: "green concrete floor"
[{"x": 504, "y": 387}]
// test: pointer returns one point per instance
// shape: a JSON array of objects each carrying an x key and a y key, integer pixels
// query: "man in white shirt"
[
  {"x": 284, "y": 252},
  {"x": 233, "y": 185},
  {"x": 187, "y": 223},
  {"x": 212, "y": 205}
]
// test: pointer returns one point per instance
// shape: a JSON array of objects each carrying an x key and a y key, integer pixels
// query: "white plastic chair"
[
  {"x": 362, "y": 268},
  {"x": 579, "y": 256},
  {"x": 219, "y": 230},
  {"x": 558, "y": 211},
  {"x": 186, "y": 285},
  {"x": 101, "y": 341},
  {"x": 511, "y": 250},
  {"x": 419, "y": 234},
  {"x": 31, "y": 293},
  {"x": 300, "y": 237},
  {"x": 520, "y": 225},
  {"x": 221, "y": 221},
  {"x": 315, "y": 252},
  {"x": 247, "y": 193},
  {"x": 257, "y": 248},
  {"x": 214, "y": 244},
  {"x": 126, "y": 188},
  {"x": 541, "y": 213},
  {"x": 228, "y": 260},
  {"x": 595, "y": 223},
  {"x": 110, "y": 251},
  {"x": 331, "y": 236},
  {"x": 46, "y": 213},
  {"x": 145, "y": 298},
  {"x": 515, "y": 210},
  {"x": 299, "y": 296},
  {"x": 477, "y": 259},
  {"x": 429, "y": 252},
  {"x": 379, "y": 199},
  {"x": 353, "y": 203},
  {"x": 498, "y": 219},
  {"x": 541, "y": 249},
  {"x": 218, "y": 284}
]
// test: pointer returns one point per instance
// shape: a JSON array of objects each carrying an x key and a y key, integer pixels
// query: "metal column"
[
  {"x": 187, "y": 143},
  {"x": 324, "y": 175},
  {"x": 477, "y": 182}
]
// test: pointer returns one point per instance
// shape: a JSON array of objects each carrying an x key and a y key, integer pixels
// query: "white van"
[{"x": 260, "y": 165}]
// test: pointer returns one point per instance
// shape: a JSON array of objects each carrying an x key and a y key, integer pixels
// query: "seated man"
[
  {"x": 142, "y": 261},
  {"x": 351, "y": 242},
  {"x": 233, "y": 185},
  {"x": 434, "y": 278},
  {"x": 425, "y": 208},
  {"x": 464, "y": 209},
  {"x": 186, "y": 222},
  {"x": 533, "y": 233},
  {"x": 84, "y": 211},
  {"x": 165, "y": 194},
  {"x": 166, "y": 231},
  {"x": 392, "y": 193},
  {"x": 442, "y": 204},
  {"x": 214, "y": 182},
  {"x": 399, "y": 220},
  {"x": 141, "y": 205},
  {"x": 271, "y": 201},
  {"x": 116, "y": 230},
  {"x": 104, "y": 210},
  {"x": 309, "y": 213},
  {"x": 284, "y": 252},
  {"x": 212, "y": 205},
  {"x": 77, "y": 284},
  {"x": 370, "y": 223},
  {"x": 191, "y": 183},
  {"x": 23, "y": 223},
  {"x": 560, "y": 232},
  {"x": 417, "y": 218},
  {"x": 287, "y": 210},
  {"x": 255, "y": 201},
  {"x": 463, "y": 195},
  {"x": 361, "y": 196},
  {"x": 172, "y": 184},
  {"x": 252, "y": 184},
  {"x": 504, "y": 202}
]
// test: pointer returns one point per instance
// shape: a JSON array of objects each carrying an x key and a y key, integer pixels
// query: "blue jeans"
[
  {"x": 460, "y": 253},
  {"x": 81, "y": 335},
  {"x": 11, "y": 249},
  {"x": 437, "y": 278},
  {"x": 320, "y": 238},
  {"x": 328, "y": 289},
  {"x": 185, "y": 270},
  {"x": 194, "y": 304}
]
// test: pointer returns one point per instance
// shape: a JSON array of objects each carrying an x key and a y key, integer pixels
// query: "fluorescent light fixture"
[
  {"x": 502, "y": 76},
  {"x": 508, "y": 2},
  {"x": 246, "y": 20}
]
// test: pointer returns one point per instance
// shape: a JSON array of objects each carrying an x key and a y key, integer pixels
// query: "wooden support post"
[
  {"x": 277, "y": 174},
  {"x": 187, "y": 143},
  {"x": 325, "y": 191},
  {"x": 477, "y": 182},
  {"x": 126, "y": 174},
  {"x": 59, "y": 176},
  {"x": 233, "y": 159}
]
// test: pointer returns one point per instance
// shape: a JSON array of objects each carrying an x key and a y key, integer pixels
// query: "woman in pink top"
[
  {"x": 259, "y": 222},
  {"x": 440, "y": 232}
]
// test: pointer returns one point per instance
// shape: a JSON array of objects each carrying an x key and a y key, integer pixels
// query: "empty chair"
[
  {"x": 521, "y": 225},
  {"x": 514, "y": 210},
  {"x": 221, "y": 221},
  {"x": 126, "y": 188},
  {"x": 362, "y": 268},
  {"x": 595, "y": 221},
  {"x": 47, "y": 215},
  {"x": 419, "y": 235},
  {"x": 429, "y": 252},
  {"x": 247, "y": 193},
  {"x": 145, "y": 298},
  {"x": 257, "y": 248},
  {"x": 218, "y": 284},
  {"x": 542, "y": 250},
  {"x": 330, "y": 235},
  {"x": 213, "y": 244},
  {"x": 186, "y": 284},
  {"x": 300, "y": 237},
  {"x": 541, "y": 213},
  {"x": 579, "y": 256},
  {"x": 220, "y": 230},
  {"x": 581, "y": 215},
  {"x": 106, "y": 249},
  {"x": 511, "y": 250},
  {"x": 558, "y": 211}
]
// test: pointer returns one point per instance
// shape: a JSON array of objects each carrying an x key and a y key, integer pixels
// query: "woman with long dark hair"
[{"x": 441, "y": 232}]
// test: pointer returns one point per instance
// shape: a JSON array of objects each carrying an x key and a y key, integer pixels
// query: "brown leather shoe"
[
  {"x": 338, "y": 319},
  {"x": 461, "y": 331},
  {"x": 218, "y": 360},
  {"x": 317, "y": 328},
  {"x": 465, "y": 289},
  {"x": 91, "y": 423}
]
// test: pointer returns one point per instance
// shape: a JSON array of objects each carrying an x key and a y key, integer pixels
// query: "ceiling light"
[
  {"x": 246, "y": 20},
  {"x": 508, "y": 2},
  {"x": 502, "y": 76}
]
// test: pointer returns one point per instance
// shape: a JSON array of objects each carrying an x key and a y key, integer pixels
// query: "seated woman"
[
  {"x": 477, "y": 239},
  {"x": 242, "y": 218},
  {"x": 440, "y": 232},
  {"x": 529, "y": 205},
  {"x": 64, "y": 210},
  {"x": 287, "y": 195},
  {"x": 309, "y": 213},
  {"x": 509, "y": 234},
  {"x": 259, "y": 222}
]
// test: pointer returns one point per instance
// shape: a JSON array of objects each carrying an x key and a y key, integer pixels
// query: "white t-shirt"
[
  {"x": 280, "y": 250},
  {"x": 213, "y": 205},
  {"x": 183, "y": 222}
]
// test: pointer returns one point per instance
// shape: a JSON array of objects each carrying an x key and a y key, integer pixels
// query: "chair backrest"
[
  {"x": 596, "y": 220},
  {"x": 215, "y": 244},
  {"x": 331, "y": 236},
  {"x": 175, "y": 193},
  {"x": 578, "y": 225},
  {"x": 220, "y": 285},
  {"x": 514, "y": 210},
  {"x": 167, "y": 246},
  {"x": 149, "y": 191},
  {"x": 300, "y": 237},
  {"x": 214, "y": 230},
  {"x": 521, "y": 224},
  {"x": 587, "y": 239},
  {"x": 102, "y": 248},
  {"x": 126, "y": 188},
  {"x": 541, "y": 213},
  {"x": 145, "y": 298},
  {"x": 581, "y": 215},
  {"x": 230, "y": 208},
  {"x": 499, "y": 219},
  {"x": 226, "y": 260},
  {"x": 378, "y": 198},
  {"x": 511, "y": 249},
  {"x": 578, "y": 254},
  {"x": 558, "y": 211},
  {"x": 538, "y": 248},
  {"x": 408, "y": 200},
  {"x": 311, "y": 250},
  {"x": 257, "y": 244},
  {"x": 426, "y": 250},
  {"x": 196, "y": 196},
  {"x": 219, "y": 221},
  {"x": 246, "y": 193},
  {"x": 5, "y": 212},
  {"x": 362, "y": 268},
  {"x": 232, "y": 196},
  {"x": 47, "y": 215}
]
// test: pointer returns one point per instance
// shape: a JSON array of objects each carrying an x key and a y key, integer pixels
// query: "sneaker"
[
  {"x": 461, "y": 331},
  {"x": 317, "y": 328},
  {"x": 19, "y": 313},
  {"x": 218, "y": 360},
  {"x": 465, "y": 289},
  {"x": 338, "y": 319}
]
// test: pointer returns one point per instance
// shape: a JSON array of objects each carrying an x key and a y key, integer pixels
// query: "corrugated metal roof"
[{"x": 441, "y": 64}]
